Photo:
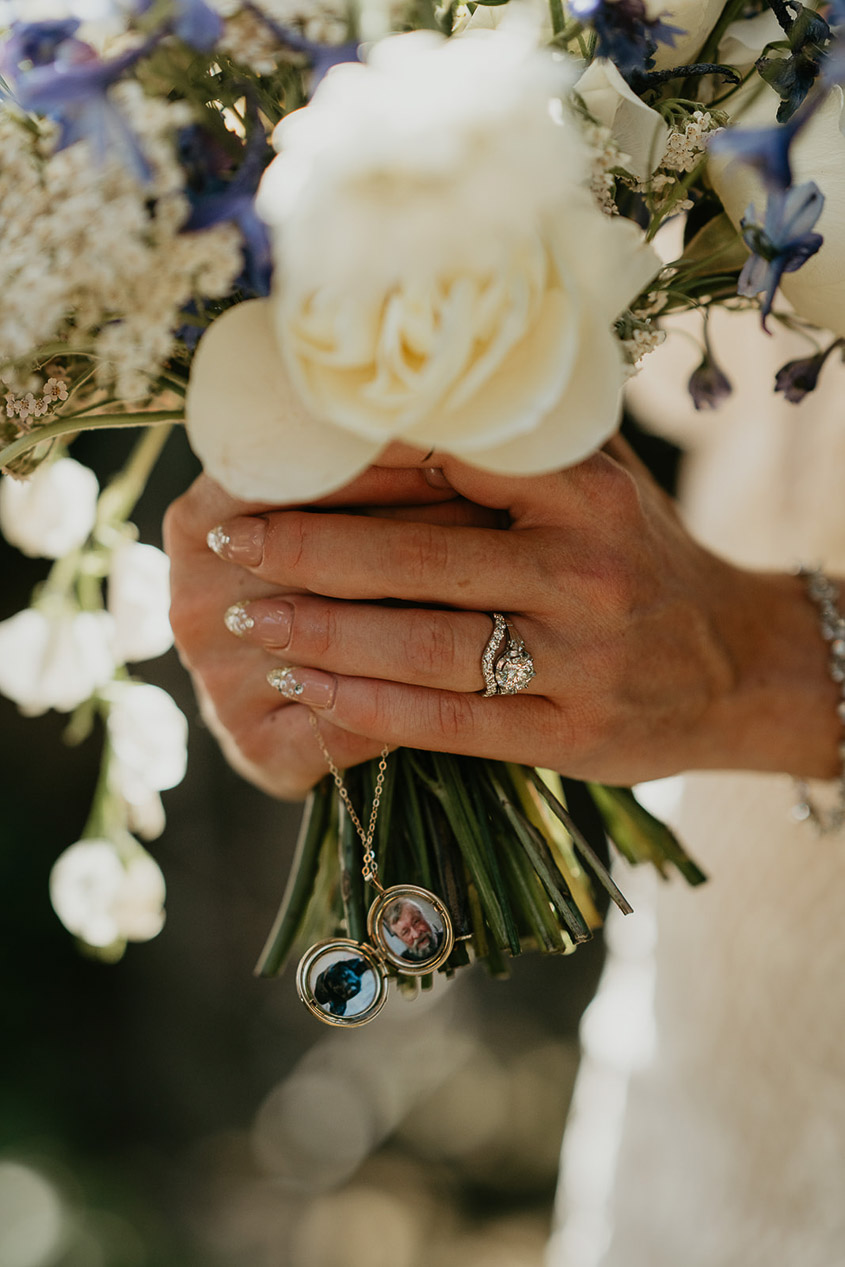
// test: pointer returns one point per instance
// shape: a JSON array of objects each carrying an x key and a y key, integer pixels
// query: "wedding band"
[
  {"x": 506, "y": 671},
  {"x": 491, "y": 651}
]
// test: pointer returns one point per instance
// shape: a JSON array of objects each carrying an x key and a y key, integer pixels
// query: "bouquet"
[{"x": 453, "y": 247}]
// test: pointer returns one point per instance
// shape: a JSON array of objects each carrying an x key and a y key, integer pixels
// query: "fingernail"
[
  {"x": 265, "y": 620},
  {"x": 238, "y": 620},
  {"x": 435, "y": 477},
  {"x": 239, "y": 541},
  {"x": 305, "y": 686}
]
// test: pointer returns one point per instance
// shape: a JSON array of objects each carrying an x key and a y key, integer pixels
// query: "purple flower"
[
  {"x": 782, "y": 243},
  {"x": 624, "y": 32},
  {"x": 321, "y": 56},
  {"x": 68, "y": 82},
  {"x": 218, "y": 197},
  {"x": 708, "y": 385},
  {"x": 193, "y": 22},
  {"x": 797, "y": 378},
  {"x": 764, "y": 149}
]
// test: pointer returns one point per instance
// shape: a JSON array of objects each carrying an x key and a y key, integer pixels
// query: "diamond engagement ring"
[{"x": 506, "y": 664}]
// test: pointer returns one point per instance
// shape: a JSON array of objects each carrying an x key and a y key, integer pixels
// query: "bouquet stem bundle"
[{"x": 515, "y": 853}]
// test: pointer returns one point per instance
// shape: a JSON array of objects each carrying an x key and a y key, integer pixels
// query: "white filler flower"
[
  {"x": 105, "y": 899},
  {"x": 52, "y": 512},
  {"x": 443, "y": 277},
  {"x": 139, "y": 601},
  {"x": 54, "y": 658},
  {"x": 148, "y": 734}
]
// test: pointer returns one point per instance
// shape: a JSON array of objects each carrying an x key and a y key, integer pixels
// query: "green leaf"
[{"x": 301, "y": 881}]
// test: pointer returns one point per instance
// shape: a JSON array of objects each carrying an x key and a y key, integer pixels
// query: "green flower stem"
[
  {"x": 533, "y": 902},
  {"x": 66, "y": 427},
  {"x": 582, "y": 845},
  {"x": 303, "y": 875},
  {"x": 118, "y": 499},
  {"x": 451, "y": 792},
  {"x": 557, "y": 15},
  {"x": 638, "y": 835},
  {"x": 542, "y": 862},
  {"x": 414, "y": 826}
]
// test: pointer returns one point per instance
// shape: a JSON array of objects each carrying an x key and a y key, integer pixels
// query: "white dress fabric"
[{"x": 708, "y": 1125}]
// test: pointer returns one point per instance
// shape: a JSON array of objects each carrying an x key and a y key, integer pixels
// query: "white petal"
[
  {"x": 139, "y": 601},
  {"x": 585, "y": 416},
  {"x": 148, "y": 735},
  {"x": 638, "y": 130},
  {"x": 54, "y": 660},
  {"x": 52, "y": 512},
  {"x": 137, "y": 907},
  {"x": 84, "y": 883},
  {"x": 524, "y": 387},
  {"x": 249, "y": 428},
  {"x": 147, "y": 818}
]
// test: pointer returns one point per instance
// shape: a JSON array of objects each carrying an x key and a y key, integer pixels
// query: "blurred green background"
[{"x": 173, "y": 1111}]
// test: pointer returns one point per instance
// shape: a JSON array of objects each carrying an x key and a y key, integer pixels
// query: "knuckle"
[
  {"x": 188, "y": 615},
  {"x": 320, "y": 632},
  {"x": 620, "y": 490},
  {"x": 429, "y": 645},
  {"x": 286, "y": 552},
  {"x": 452, "y": 715},
  {"x": 422, "y": 552}
]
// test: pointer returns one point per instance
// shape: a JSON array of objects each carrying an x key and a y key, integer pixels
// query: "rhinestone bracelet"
[{"x": 824, "y": 593}]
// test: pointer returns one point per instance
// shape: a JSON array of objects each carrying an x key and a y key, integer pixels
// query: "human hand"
[
  {"x": 652, "y": 654},
  {"x": 266, "y": 743}
]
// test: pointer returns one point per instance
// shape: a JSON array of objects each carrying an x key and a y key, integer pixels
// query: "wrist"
[{"x": 779, "y": 712}]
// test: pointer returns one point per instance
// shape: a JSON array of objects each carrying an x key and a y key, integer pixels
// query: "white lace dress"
[{"x": 708, "y": 1127}]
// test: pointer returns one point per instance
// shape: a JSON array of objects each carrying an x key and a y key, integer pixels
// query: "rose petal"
[
  {"x": 585, "y": 416},
  {"x": 249, "y": 428}
]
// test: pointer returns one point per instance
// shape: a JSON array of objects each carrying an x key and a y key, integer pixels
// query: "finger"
[
  {"x": 456, "y": 513},
  {"x": 503, "y": 728},
  {"x": 420, "y": 646},
  {"x": 344, "y": 556},
  {"x": 265, "y": 737},
  {"x": 573, "y": 493}
]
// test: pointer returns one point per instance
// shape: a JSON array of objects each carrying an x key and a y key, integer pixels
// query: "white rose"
[
  {"x": 639, "y": 131},
  {"x": 54, "y": 657},
  {"x": 139, "y": 601},
  {"x": 817, "y": 290},
  {"x": 443, "y": 277},
  {"x": 104, "y": 898},
  {"x": 52, "y": 512},
  {"x": 148, "y": 734},
  {"x": 695, "y": 18}
]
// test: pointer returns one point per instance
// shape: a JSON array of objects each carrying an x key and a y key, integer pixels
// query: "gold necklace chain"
[{"x": 370, "y": 868}]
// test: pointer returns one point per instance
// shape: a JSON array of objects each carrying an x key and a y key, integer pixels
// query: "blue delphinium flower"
[
  {"x": 764, "y": 149},
  {"x": 191, "y": 21},
  {"x": 782, "y": 243},
  {"x": 68, "y": 82},
  {"x": 217, "y": 197},
  {"x": 797, "y": 378},
  {"x": 708, "y": 384},
  {"x": 321, "y": 56},
  {"x": 624, "y": 32}
]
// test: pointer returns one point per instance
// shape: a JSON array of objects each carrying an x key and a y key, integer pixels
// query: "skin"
[
  {"x": 653, "y": 655},
  {"x": 412, "y": 929}
]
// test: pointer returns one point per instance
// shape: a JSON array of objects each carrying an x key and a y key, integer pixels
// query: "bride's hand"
[
  {"x": 652, "y": 655},
  {"x": 263, "y": 741}
]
